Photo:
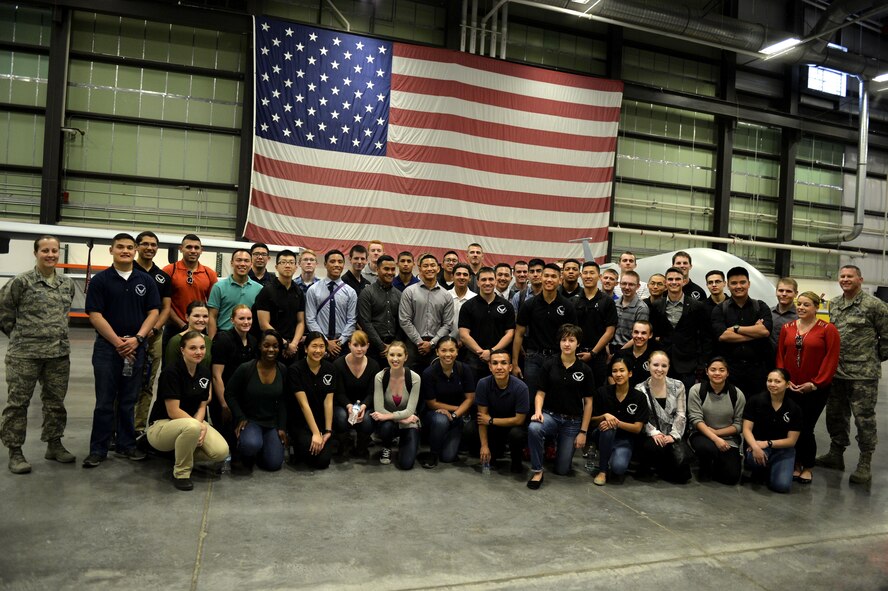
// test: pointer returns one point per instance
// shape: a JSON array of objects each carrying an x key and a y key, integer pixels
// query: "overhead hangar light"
[
  {"x": 780, "y": 47},
  {"x": 881, "y": 78}
]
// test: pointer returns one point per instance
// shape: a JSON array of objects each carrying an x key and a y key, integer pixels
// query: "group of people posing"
[{"x": 530, "y": 361}]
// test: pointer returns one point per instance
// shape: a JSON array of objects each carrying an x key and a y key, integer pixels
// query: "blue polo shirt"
[
  {"x": 228, "y": 293},
  {"x": 124, "y": 303},
  {"x": 506, "y": 403}
]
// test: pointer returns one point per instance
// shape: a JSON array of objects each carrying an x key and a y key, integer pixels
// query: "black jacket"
[{"x": 689, "y": 343}]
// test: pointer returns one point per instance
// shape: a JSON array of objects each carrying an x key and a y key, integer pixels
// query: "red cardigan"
[{"x": 820, "y": 353}]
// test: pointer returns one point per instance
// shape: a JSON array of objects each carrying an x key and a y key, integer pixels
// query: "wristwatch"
[
  {"x": 736, "y": 328},
  {"x": 770, "y": 443},
  {"x": 325, "y": 431},
  {"x": 453, "y": 415},
  {"x": 583, "y": 431},
  {"x": 140, "y": 338},
  {"x": 490, "y": 422}
]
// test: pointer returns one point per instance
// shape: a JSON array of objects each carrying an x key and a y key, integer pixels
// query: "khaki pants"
[
  {"x": 154, "y": 352},
  {"x": 182, "y": 435}
]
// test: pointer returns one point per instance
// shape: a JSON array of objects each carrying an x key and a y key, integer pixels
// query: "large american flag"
[{"x": 425, "y": 149}]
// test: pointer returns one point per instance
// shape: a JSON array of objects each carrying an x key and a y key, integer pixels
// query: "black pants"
[
  {"x": 662, "y": 459},
  {"x": 749, "y": 377},
  {"x": 301, "y": 440},
  {"x": 499, "y": 437},
  {"x": 225, "y": 428},
  {"x": 812, "y": 405},
  {"x": 724, "y": 466}
]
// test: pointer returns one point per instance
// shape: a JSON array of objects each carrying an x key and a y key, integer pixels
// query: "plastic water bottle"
[
  {"x": 356, "y": 410},
  {"x": 226, "y": 465},
  {"x": 128, "y": 367},
  {"x": 485, "y": 469}
]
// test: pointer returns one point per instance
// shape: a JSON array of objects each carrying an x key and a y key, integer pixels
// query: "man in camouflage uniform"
[
  {"x": 861, "y": 320},
  {"x": 34, "y": 314}
]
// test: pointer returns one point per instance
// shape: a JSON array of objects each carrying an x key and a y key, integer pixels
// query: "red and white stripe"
[{"x": 516, "y": 158}]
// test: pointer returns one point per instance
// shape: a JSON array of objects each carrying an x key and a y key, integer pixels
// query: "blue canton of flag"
[{"x": 322, "y": 89}]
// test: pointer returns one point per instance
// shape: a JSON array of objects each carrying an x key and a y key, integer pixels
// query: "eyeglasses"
[
  {"x": 263, "y": 255},
  {"x": 287, "y": 263},
  {"x": 190, "y": 278},
  {"x": 799, "y": 342}
]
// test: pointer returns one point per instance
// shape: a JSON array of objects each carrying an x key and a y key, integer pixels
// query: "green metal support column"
[
  {"x": 245, "y": 157},
  {"x": 789, "y": 147},
  {"x": 56, "y": 87}
]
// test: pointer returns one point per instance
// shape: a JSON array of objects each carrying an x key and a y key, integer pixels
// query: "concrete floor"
[{"x": 123, "y": 526}]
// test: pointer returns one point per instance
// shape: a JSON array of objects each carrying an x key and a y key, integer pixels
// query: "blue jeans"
[
  {"x": 111, "y": 387},
  {"x": 614, "y": 450},
  {"x": 778, "y": 468},
  {"x": 341, "y": 424},
  {"x": 563, "y": 430},
  {"x": 445, "y": 434},
  {"x": 409, "y": 442},
  {"x": 261, "y": 445}
]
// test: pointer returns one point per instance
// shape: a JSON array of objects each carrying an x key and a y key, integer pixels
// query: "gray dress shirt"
[{"x": 426, "y": 312}]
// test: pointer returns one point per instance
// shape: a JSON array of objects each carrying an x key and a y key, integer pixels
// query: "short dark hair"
[
  {"x": 139, "y": 236},
  {"x": 195, "y": 304},
  {"x": 192, "y": 237},
  {"x": 553, "y": 267},
  {"x": 499, "y": 266},
  {"x": 716, "y": 272},
  {"x": 314, "y": 335},
  {"x": 782, "y": 371},
  {"x": 519, "y": 263},
  {"x": 237, "y": 250},
  {"x": 463, "y": 266},
  {"x": 446, "y": 339},
  {"x": 475, "y": 244},
  {"x": 272, "y": 333},
  {"x": 284, "y": 253},
  {"x": 536, "y": 263},
  {"x": 403, "y": 253},
  {"x": 855, "y": 267},
  {"x": 453, "y": 252},
  {"x": 674, "y": 270},
  {"x": 737, "y": 272},
  {"x": 122, "y": 236},
  {"x": 570, "y": 330},
  {"x": 574, "y": 261},
  {"x": 592, "y": 264},
  {"x": 258, "y": 245},
  {"x": 331, "y": 253},
  {"x": 682, "y": 253},
  {"x": 384, "y": 258},
  {"x": 490, "y": 270},
  {"x": 501, "y": 352},
  {"x": 357, "y": 248},
  {"x": 428, "y": 255}
]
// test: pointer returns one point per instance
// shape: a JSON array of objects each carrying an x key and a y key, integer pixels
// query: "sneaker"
[
  {"x": 17, "y": 462},
  {"x": 133, "y": 454},
  {"x": 56, "y": 451},
  {"x": 386, "y": 457},
  {"x": 600, "y": 479},
  {"x": 183, "y": 483},
  {"x": 93, "y": 460},
  {"x": 430, "y": 462}
]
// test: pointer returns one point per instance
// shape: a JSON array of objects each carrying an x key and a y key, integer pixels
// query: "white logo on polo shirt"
[
  {"x": 579, "y": 376},
  {"x": 560, "y": 310},
  {"x": 328, "y": 379},
  {"x": 786, "y": 417},
  {"x": 203, "y": 382},
  {"x": 646, "y": 366},
  {"x": 632, "y": 408},
  {"x": 141, "y": 289},
  {"x": 160, "y": 278},
  {"x": 696, "y": 295},
  {"x": 501, "y": 309}
]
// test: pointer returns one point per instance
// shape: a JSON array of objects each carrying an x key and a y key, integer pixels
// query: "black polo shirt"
[
  {"x": 727, "y": 314},
  {"x": 693, "y": 290},
  {"x": 230, "y": 352},
  {"x": 124, "y": 303},
  {"x": 633, "y": 408},
  {"x": 770, "y": 424},
  {"x": 639, "y": 366},
  {"x": 267, "y": 279},
  {"x": 565, "y": 387},
  {"x": 316, "y": 386},
  {"x": 358, "y": 284},
  {"x": 505, "y": 403},
  {"x": 487, "y": 323},
  {"x": 452, "y": 389},
  {"x": 176, "y": 383},
  {"x": 594, "y": 316},
  {"x": 161, "y": 280},
  {"x": 543, "y": 320},
  {"x": 282, "y": 304}
]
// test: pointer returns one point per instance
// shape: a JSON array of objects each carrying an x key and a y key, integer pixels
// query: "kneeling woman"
[
  {"x": 356, "y": 372},
  {"x": 255, "y": 396},
  {"x": 395, "y": 395},
  {"x": 177, "y": 420},
  {"x": 562, "y": 406},
  {"x": 620, "y": 415},
  {"x": 771, "y": 426},
  {"x": 663, "y": 447},
  {"x": 313, "y": 383}
]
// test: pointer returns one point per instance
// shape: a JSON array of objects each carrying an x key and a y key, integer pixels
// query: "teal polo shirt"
[{"x": 227, "y": 293}]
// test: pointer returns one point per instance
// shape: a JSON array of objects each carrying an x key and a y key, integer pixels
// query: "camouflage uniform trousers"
[
  {"x": 152, "y": 367},
  {"x": 22, "y": 375},
  {"x": 857, "y": 397}
]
